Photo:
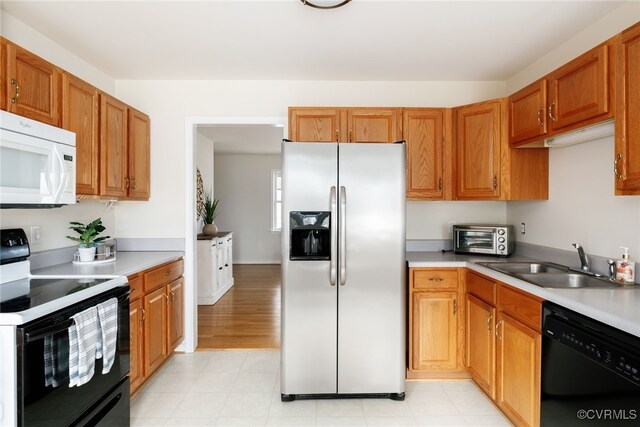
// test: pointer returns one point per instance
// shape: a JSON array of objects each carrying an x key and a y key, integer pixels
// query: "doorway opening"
[{"x": 237, "y": 159}]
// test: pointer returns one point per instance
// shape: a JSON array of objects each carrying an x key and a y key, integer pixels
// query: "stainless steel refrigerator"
[{"x": 343, "y": 270}]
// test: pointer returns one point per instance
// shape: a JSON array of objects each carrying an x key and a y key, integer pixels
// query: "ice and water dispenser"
[{"x": 310, "y": 238}]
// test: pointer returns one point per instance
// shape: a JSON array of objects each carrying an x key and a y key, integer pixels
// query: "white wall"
[
  {"x": 582, "y": 206},
  {"x": 54, "y": 223},
  {"x": 169, "y": 102},
  {"x": 204, "y": 161},
  {"x": 243, "y": 185},
  {"x": 608, "y": 26},
  {"x": 26, "y": 37}
]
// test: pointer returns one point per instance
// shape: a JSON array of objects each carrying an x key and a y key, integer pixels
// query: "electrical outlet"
[
  {"x": 35, "y": 234},
  {"x": 523, "y": 228}
]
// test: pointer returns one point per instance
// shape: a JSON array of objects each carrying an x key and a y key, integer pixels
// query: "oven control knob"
[
  {"x": 501, "y": 239},
  {"x": 501, "y": 231},
  {"x": 501, "y": 247}
]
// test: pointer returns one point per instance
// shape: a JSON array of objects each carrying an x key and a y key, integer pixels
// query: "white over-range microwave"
[{"x": 37, "y": 164}]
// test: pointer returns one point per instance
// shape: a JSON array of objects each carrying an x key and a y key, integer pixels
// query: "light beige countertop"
[
  {"x": 619, "y": 307},
  {"x": 126, "y": 263}
]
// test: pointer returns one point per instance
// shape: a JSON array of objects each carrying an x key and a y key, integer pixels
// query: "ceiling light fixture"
[{"x": 320, "y": 4}]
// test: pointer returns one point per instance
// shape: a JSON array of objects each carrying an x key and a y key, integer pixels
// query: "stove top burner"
[{"x": 24, "y": 294}]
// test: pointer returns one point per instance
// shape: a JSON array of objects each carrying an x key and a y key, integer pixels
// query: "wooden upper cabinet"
[
  {"x": 627, "y": 151},
  {"x": 315, "y": 124},
  {"x": 80, "y": 105},
  {"x": 428, "y": 154},
  {"x": 527, "y": 112},
  {"x": 32, "y": 86},
  {"x": 139, "y": 147},
  {"x": 477, "y": 146},
  {"x": 374, "y": 124},
  {"x": 113, "y": 147},
  {"x": 579, "y": 90}
]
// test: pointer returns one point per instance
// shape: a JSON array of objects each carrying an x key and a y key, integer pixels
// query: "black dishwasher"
[{"x": 590, "y": 371}]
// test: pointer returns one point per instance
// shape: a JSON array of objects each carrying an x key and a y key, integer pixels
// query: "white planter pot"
[{"x": 87, "y": 254}]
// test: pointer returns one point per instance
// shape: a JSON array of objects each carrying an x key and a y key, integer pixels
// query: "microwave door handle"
[{"x": 61, "y": 176}]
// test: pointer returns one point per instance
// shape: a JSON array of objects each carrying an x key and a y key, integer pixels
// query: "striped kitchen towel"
[
  {"x": 56, "y": 359},
  {"x": 108, "y": 332},
  {"x": 82, "y": 346}
]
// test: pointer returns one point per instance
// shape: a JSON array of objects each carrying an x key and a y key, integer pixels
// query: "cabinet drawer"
[
  {"x": 522, "y": 307},
  {"x": 135, "y": 282},
  {"x": 434, "y": 279},
  {"x": 163, "y": 275},
  {"x": 481, "y": 287}
]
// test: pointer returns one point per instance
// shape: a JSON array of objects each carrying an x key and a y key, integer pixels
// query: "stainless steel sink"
[
  {"x": 549, "y": 275},
  {"x": 566, "y": 280},
  {"x": 525, "y": 267}
]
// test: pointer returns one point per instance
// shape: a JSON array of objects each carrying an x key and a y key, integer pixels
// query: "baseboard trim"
[
  {"x": 216, "y": 296},
  {"x": 275, "y": 261}
]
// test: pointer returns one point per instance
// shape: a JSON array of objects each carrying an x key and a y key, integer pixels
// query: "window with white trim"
[{"x": 276, "y": 200}]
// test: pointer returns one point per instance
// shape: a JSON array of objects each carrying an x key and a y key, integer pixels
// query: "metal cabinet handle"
[
  {"x": 166, "y": 298},
  {"x": 550, "y": 112},
  {"x": 14, "y": 82},
  {"x": 133, "y": 183},
  {"x": 143, "y": 315},
  {"x": 615, "y": 166},
  {"x": 126, "y": 182},
  {"x": 350, "y": 136},
  {"x": 455, "y": 306},
  {"x": 489, "y": 322},
  {"x": 540, "y": 115},
  {"x": 337, "y": 135},
  {"x": 498, "y": 330},
  {"x": 343, "y": 236},
  {"x": 495, "y": 182},
  {"x": 439, "y": 183},
  {"x": 333, "y": 267},
  {"x": 435, "y": 279}
]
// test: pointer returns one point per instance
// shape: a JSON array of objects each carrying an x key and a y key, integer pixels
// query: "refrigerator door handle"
[
  {"x": 343, "y": 236},
  {"x": 333, "y": 274}
]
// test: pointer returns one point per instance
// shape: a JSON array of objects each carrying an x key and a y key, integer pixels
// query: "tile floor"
[{"x": 242, "y": 388}]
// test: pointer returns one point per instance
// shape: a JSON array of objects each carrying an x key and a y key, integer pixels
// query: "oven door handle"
[{"x": 49, "y": 330}]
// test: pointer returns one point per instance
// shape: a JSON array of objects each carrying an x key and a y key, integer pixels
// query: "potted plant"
[
  {"x": 88, "y": 237},
  {"x": 210, "y": 205}
]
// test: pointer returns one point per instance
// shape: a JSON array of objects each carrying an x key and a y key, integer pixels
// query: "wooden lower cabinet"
[
  {"x": 518, "y": 376},
  {"x": 156, "y": 316},
  {"x": 436, "y": 324},
  {"x": 136, "y": 334},
  {"x": 481, "y": 344}
]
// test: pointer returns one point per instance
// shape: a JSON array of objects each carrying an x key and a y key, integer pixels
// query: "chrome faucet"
[{"x": 584, "y": 260}]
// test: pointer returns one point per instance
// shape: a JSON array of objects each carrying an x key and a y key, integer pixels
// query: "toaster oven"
[{"x": 483, "y": 239}]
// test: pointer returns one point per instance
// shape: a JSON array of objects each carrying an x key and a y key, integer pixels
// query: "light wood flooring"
[{"x": 248, "y": 315}]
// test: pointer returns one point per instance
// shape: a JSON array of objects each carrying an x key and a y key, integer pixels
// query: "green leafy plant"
[
  {"x": 88, "y": 233},
  {"x": 210, "y": 205}
]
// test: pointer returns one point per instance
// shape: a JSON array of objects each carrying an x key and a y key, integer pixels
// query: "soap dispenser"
[{"x": 625, "y": 269}]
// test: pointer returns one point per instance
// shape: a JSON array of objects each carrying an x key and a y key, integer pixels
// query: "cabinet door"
[
  {"x": 580, "y": 89},
  {"x": 175, "y": 314},
  {"x": 477, "y": 140},
  {"x": 113, "y": 147},
  {"x": 373, "y": 125},
  {"x": 527, "y": 112},
  {"x": 220, "y": 273},
  {"x": 139, "y": 145},
  {"x": 518, "y": 371},
  {"x": 155, "y": 329},
  {"x": 423, "y": 133},
  {"x": 627, "y": 155},
  {"x": 32, "y": 86},
  {"x": 136, "y": 341},
  {"x": 315, "y": 124},
  {"x": 481, "y": 344},
  {"x": 230, "y": 256},
  {"x": 80, "y": 115},
  {"x": 434, "y": 331}
]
